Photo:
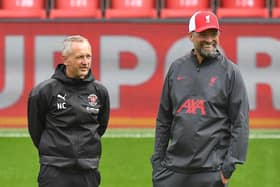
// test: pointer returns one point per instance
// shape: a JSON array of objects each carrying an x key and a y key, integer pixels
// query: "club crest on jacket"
[{"x": 92, "y": 99}]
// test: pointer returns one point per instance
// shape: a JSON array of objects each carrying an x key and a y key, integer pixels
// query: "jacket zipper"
[{"x": 198, "y": 67}]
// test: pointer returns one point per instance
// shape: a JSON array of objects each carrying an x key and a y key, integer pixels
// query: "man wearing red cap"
[{"x": 202, "y": 124}]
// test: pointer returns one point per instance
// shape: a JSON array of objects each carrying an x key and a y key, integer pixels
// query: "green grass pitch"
[{"x": 126, "y": 160}]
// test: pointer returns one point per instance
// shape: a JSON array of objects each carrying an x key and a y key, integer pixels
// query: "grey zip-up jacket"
[
  {"x": 202, "y": 122},
  {"x": 66, "y": 119}
]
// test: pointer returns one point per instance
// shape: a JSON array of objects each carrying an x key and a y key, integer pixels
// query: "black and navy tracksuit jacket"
[{"x": 66, "y": 119}]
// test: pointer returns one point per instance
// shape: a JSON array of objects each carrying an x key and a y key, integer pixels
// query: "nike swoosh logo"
[{"x": 180, "y": 78}]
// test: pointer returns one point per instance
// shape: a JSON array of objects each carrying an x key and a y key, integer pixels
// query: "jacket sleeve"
[
  {"x": 239, "y": 117},
  {"x": 104, "y": 114},
  {"x": 36, "y": 116},
  {"x": 163, "y": 124}
]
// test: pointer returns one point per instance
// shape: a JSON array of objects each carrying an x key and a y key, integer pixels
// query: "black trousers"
[
  {"x": 165, "y": 177},
  {"x": 50, "y": 176}
]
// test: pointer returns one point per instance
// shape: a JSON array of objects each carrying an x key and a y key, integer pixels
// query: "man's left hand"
[{"x": 224, "y": 180}]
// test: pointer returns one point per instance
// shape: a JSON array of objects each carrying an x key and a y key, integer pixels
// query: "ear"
[
  {"x": 64, "y": 59},
  {"x": 190, "y": 36}
]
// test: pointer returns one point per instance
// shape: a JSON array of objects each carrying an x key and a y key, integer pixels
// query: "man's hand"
[{"x": 224, "y": 180}]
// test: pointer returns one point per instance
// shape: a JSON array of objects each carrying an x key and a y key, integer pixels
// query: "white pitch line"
[
  {"x": 264, "y": 136},
  {"x": 133, "y": 134}
]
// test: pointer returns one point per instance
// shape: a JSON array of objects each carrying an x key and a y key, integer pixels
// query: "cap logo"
[
  {"x": 203, "y": 20},
  {"x": 207, "y": 19}
]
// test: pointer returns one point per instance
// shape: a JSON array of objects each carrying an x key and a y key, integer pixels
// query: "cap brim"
[{"x": 201, "y": 29}]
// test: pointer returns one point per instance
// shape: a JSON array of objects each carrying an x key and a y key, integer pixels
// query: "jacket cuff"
[
  {"x": 228, "y": 169},
  {"x": 155, "y": 160}
]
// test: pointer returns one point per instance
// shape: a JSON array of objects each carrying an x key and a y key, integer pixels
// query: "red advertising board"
[{"x": 131, "y": 59}]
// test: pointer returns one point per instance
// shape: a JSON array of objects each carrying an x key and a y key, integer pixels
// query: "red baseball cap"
[{"x": 203, "y": 20}]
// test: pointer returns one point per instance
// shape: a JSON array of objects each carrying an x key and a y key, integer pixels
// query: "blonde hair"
[{"x": 67, "y": 43}]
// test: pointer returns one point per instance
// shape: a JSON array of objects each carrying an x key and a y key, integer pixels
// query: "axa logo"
[
  {"x": 193, "y": 106},
  {"x": 61, "y": 101}
]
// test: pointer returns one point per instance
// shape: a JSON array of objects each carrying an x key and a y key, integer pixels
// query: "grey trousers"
[
  {"x": 165, "y": 177},
  {"x": 50, "y": 176}
]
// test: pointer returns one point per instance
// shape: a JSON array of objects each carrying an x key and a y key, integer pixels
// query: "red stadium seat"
[
  {"x": 131, "y": 9},
  {"x": 276, "y": 9},
  {"x": 242, "y": 9},
  {"x": 23, "y": 9},
  {"x": 183, "y": 8},
  {"x": 76, "y": 9}
]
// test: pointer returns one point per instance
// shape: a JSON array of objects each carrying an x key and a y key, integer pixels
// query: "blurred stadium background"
[{"x": 134, "y": 42}]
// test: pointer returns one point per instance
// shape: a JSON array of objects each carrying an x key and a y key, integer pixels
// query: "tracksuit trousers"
[
  {"x": 165, "y": 177},
  {"x": 50, "y": 176}
]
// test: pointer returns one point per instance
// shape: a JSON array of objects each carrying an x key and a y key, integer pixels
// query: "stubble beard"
[{"x": 208, "y": 54}]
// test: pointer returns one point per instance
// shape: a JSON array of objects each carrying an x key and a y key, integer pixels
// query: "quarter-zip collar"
[
  {"x": 61, "y": 76},
  {"x": 205, "y": 61}
]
